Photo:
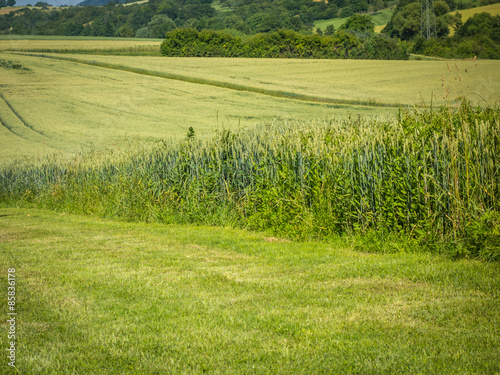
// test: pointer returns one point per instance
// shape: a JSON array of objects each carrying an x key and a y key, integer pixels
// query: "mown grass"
[{"x": 106, "y": 297}]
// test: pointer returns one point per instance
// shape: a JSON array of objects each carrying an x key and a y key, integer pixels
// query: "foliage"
[
  {"x": 431, "y": 177},
  {"x": 358, "y": 23},
  {"x": 190, "y": 42},
  {"x": 481, "y": 24},
  {"x": 7, "y": 3},
  {"x": 479, "y": 37},
  {"x": 247, "y": 17},
  {"x": 405, "y": 21},
  {"x": 283, "y": 43},
  {"x": 250, "y": 17}
]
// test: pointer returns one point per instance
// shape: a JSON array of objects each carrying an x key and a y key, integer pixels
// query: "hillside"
[
  {"x": 493, "y": 9},
  {"x": 379, "y": 19},
  {"x": 155, "y": 18}
]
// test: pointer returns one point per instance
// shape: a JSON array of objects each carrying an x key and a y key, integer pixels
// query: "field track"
[
  {"x": 23, "y": 122},
  {"x": 226, "y": 85}
]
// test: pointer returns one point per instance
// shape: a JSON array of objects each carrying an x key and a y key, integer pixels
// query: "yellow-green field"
[
  {"x": 493, "y": 9},
  {"x": 40, "y": 43},
  {"x": 71, "y": 106},
  {"x": 382, "y": 82}
]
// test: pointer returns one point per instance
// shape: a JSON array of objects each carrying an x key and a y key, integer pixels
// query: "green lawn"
[{"x": 104, "y": 297}]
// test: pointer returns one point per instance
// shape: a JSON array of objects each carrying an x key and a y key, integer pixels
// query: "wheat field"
[
  {"x": 69, "y": 107},
  {"x": 394, "y": 83},
  {"x": 72, "y": 106},
  {"x": 43, "y": 42}
]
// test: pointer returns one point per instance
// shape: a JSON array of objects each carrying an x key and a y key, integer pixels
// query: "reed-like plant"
[{"x": 430, "y": 177}]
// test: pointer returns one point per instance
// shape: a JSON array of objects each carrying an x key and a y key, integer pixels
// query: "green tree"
[
  {"x": 125, "y": 31},
  {"x": 330, "y": 30},
  {"x": 143, "y": 32},
  {"x": 441, "y": 8},
  {"x": 359, "y": 23},
  {"x": 160, "y": 25},
  {"x": 405, "y": 23},
  {"x": 11, "y": 3},
  {"x": 479, "y": 23}
]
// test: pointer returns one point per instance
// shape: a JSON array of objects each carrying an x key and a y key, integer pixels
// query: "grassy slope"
[
  {"x": 493, "y": 9},
  {"x": 97, "y": 296},
  {"x": 379, "y": 18}
]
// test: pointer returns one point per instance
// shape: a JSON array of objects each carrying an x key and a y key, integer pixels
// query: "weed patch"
[{"x": 16, "y": 65}]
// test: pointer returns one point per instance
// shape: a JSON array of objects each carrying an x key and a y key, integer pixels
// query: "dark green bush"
[{"x": 281, "y": 44}]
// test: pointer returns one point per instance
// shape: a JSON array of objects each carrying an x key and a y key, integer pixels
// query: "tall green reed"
[{"x": 429, "y": 177}]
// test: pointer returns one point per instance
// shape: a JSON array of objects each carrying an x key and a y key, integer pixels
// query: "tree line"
[
  {"x": 7, "y": 3},
  {"x": 478, "y": 36},
  {"x": 156, "y": 17},
  {"x": 344, "y": 44}
]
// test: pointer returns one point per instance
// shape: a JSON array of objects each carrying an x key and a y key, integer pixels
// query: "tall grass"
[{"x": 431, "y": 178}]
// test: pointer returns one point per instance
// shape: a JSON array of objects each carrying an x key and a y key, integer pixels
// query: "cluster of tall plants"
[
  {"x": 282, "y": 43},
  {"x": 431, "y": 177}
]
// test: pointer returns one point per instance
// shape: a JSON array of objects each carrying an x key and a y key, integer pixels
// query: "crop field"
[
  {"x": 392, "y": 83},
  {"x": 66, "y": 106},
  {"x": 73, "y": 102},
  {"x": 68, "y": 44}
]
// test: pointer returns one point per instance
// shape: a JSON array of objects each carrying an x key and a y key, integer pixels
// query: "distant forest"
[{"x": 479, "y": 36}]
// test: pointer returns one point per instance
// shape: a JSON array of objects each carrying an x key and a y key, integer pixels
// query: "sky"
[{"x": 51, "y": 2}]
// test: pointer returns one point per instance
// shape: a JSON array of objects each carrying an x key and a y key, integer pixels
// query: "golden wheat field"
[
  {"x": 393, "y": 83},
  {"x": 493, "y": 9},
  {"x": 56, "y": 105},
  {"x": 20, "y": 43}
]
